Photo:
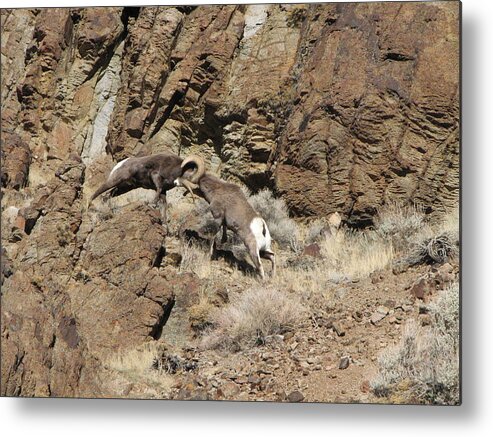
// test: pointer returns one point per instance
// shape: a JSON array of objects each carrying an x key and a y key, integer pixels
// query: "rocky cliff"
[{"x": 335, "y": 107}]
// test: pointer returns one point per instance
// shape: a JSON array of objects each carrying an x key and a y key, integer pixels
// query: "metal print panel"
[{"x": 232, "y": 202}]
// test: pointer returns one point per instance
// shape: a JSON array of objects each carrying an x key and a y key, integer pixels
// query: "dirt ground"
[{"x": 330, "y": 357}]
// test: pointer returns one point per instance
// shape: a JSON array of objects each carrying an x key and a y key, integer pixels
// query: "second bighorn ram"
[
  {"x": 155, "y": 172},
  {"x": 230, "y": 209}
]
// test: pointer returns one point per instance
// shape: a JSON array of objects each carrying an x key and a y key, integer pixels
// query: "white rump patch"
[
  {"x": 117, "y": 166},
  {"x": 263, "y": 241}
]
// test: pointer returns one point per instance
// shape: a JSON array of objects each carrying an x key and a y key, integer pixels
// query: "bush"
[
  {"x": 400, "y": 224},
  {"x": 414, "y": 239},
  {"x": 436, "y": 249},
  {"x": 252, "y": 317},
  {"x": 434, "y": 244},
  {"x": 316, "y": 230},
  {"x": 427, "y": 356},
  {"x": 283, "y": 229}
]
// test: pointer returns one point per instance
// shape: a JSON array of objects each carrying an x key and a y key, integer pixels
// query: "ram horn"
[{"x": 199, "y": 163}]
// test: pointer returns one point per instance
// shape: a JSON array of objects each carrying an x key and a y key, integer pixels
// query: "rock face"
[
  {"x": 335, "y": 107},
  {"x": 379, "y": 123}
]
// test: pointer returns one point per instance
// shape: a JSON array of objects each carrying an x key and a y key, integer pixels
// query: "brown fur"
[
  {"x": 154, "y": 172},
  {"x": 230, "y": 209}
]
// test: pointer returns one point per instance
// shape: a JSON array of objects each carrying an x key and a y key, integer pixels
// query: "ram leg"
[
  {"x": 255, "y": 256},
  {"x": 272, "y": 258},
  {"x": 112, "y": 182},
  {"x": 224, "y": 237}
]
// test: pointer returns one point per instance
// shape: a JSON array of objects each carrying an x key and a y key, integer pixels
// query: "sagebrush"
[
  {"x": 252, "y": 317},
  {"x": 273, "y": 210},
  {"x": 427, "y": 356},
  {"x": 400, "y": 224}
]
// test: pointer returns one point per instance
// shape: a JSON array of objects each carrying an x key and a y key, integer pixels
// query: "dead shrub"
[
  {"x": 400, "y": 224},
  {"x": 427, "y": 356},
  {"x": 252, "y": 317},
  {"x": 434, "y": 244},
  {"x": 438, "y": 249}
]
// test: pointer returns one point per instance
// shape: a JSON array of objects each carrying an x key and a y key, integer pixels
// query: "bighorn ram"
[
  {"x": 230, "y": 209},
  {"x": 155, "y": 172}
]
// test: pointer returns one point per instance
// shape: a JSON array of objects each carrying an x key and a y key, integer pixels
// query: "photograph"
[{"x": 232, "y": 202}]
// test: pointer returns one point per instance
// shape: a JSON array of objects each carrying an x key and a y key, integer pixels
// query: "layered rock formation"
[{"x": 335, "y": 107}]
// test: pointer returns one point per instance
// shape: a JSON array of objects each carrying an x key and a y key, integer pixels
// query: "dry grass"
[
  {"x": 450, "y": 222},
  {"x": 347, "y": 255},
  {"x": 356, "y": 254},
  {"x": 252, "y": 317},
  {"x": 304, "y": 280},
  {"x": 427, "y": 357},
  {"x": 201, "y": 313},
  {"x": 195, "y": 259},
  {"x": 425, "y": 363},
  {"x": 416, "y": 240},
  {"x": 137, "y": 365}
]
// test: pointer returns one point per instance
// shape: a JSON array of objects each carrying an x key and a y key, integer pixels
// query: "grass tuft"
[
  {"x": 137, "y": 365},
  {"x": 195, "y": 259},
  {"x": 253, "y": 316},
  {"x": 355, "y": 254}
]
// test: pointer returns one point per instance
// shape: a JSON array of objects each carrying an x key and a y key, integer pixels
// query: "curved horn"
[{"x": 199, "y": 163}]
